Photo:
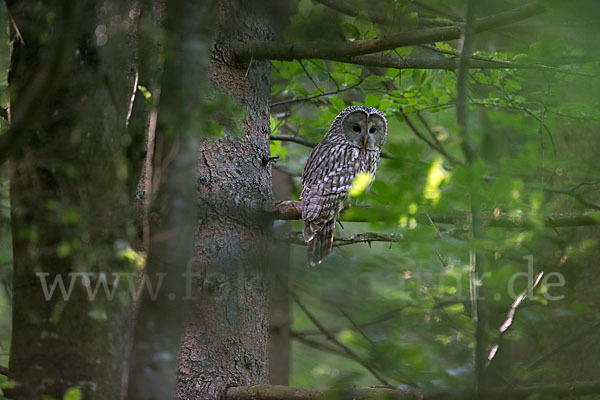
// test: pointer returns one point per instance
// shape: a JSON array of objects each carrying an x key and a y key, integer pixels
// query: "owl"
[{"x": 352, "y": 145}]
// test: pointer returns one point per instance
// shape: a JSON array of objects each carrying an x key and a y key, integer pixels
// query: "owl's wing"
[{"x": 327, "y": 177}]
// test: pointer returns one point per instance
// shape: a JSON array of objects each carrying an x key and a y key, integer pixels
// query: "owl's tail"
[{"x": 319, "y": 246}]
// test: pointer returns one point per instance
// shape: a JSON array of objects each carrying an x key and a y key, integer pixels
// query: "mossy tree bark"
[{"x": 71, "y": 187}]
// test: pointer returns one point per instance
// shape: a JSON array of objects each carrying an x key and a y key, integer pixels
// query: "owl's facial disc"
[
  {"x": 354, "y": 127},
  {"x": 376, "y": 132}
]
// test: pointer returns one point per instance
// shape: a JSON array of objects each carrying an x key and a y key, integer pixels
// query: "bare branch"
[
  {"x": 333, "y": 339},
  {"x": 435, "y": 146},
  {"x": 266, "y": 392},
  {"x": 291, "y": 210},
  {"x": 318, "y": 345},
  {"x": 488, "y": 62},
  {"x": 262, "y": 50},
  {"x": 379, "y": 18},
  {"x": 450, "y": 64},
  {"x": 576, "y": 196},
  {"x": 278, "y": 103},
  {"x": 563, "y": 344},
  {"x": 366, "y": 237}
]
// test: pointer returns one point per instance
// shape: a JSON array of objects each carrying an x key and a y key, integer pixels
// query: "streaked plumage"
[{"x": 352, "y": 145}]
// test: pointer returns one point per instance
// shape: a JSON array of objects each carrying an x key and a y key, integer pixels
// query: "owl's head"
[{"x": 364, "y": 127}]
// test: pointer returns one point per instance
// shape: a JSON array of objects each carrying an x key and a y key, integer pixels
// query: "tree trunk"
[
  {"x": 71, "y": 179},
  {"x": 225, "y": 339},
  {"x": 280, "y": 316}
]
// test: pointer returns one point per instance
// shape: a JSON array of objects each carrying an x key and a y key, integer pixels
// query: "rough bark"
[
  {"x": 70, "y": 211},
  {"x": 225, "y": 340}
]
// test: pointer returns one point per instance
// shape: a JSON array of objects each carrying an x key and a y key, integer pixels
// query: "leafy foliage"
[{"x": 405, "y": 307}]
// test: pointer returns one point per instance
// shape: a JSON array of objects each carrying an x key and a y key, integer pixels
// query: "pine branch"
[{"x": 263, "y": 50}]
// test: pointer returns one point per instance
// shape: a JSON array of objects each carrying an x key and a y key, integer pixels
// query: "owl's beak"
[{"x": 365, "y": 141}]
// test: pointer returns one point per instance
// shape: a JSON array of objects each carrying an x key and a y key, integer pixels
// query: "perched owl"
[{"x": 352, "y": 145}]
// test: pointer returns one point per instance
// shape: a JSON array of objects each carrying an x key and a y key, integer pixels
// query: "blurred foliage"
[
  {"x": 5, "y": 233},
  {"x": 405, "y": 307}
]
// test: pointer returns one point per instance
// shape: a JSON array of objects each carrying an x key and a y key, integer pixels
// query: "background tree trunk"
[
  {"x": 71, "y": 189},
  {"x": 160, "y": 318},
  {"x": 280, "y": 316},
  {"x": 225, "y": 340}
]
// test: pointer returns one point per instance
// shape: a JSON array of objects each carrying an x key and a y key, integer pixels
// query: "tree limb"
[
  {"x": 267, "y": 392},
  {"x": 483, "y": 62},
  {"x": 274, "y": 392},
  {"x": 262, "y": 50},
  {"x": 292, "y": 210},
  {"x": 366, "y": 237}
]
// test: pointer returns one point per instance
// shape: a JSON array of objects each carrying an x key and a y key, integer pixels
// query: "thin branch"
[
  {"x": 562, "y": 345},
  {"x": 574, "y": 196},
  {"x": 382, "y": 318},
  {"x": 262, "y": 50},
  {"x": 434, "y": 146},
  {"x": 500, "y": 63},
  {"x": 3, "y": 370},
  {"x": 310, "y": 77},
  {"x": 318, "y": 345},
  {"x": 278, "y": 103},
  {"x": 342, "y": 346},
  {"x": 294, "y": 139},
  {"x": 387, "y": 61},
  {"x": 366, "y": 237},
  {"x": 356, "y": 327}
]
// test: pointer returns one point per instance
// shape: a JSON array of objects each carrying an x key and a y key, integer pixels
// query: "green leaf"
[
  {"x": 323, "y": 76},
  {"x": 337, "y": 103},
  {"x": 304, "y": 7},
  {"x": 371, "y": 101},
  {"x": 444, "y": 46},
  {"x": 73, "y": 393}
]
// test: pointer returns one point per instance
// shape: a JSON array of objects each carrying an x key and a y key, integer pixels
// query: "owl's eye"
[
  {"x": 372, "y": 130},
  {"x": 356, "y": 128}
]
